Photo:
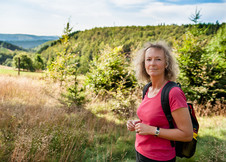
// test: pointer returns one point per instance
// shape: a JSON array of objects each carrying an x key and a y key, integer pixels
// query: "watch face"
[{"x": 157, "y": 131}]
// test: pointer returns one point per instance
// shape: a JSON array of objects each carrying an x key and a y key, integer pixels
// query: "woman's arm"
[{"x": 183, "y": 132}]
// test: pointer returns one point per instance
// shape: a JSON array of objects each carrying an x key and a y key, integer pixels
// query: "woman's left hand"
[{"x": 143, "y": 129}]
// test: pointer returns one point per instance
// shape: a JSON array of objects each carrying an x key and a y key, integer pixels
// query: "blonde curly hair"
[{"x": 171, "y": 71}]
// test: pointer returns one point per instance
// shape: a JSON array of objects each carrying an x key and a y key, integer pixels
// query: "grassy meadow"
[
  {"x": 9, "y": 71},
  {"x": 36, "y": 125}
]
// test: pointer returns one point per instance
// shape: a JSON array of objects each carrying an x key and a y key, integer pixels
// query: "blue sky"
[{"x": 49, "y": 17}]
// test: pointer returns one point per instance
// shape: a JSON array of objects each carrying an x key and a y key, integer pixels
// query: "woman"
[{"x": 156, "y": 64}]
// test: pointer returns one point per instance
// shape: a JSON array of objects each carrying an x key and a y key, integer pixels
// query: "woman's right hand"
[{"x": 131, "y": 124}]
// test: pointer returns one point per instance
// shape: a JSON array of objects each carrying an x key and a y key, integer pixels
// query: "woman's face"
[{"x": 155, "y": 62}]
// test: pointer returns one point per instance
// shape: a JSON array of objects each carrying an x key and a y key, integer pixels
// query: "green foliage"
[
  {"x": 200, "y": 73},
  {"x": 25, "y": 62},
  {"x": 90, "y": 42},
  {"x": 7, "y": 53},
  {"x": 10, "y": 46},
  {"x": 8, "y": 62},
  {"x": 45, "y": 45},
  {"x": 124, "y": 102},
  {"x": 64, "y": 64},
  {"x": 64, "y": 69},
  {"x": 74, "y": 95},
  {"x": 110, "y": 74},
  {"x": 110, "y": 71},
  {"x": 192, "y": 41},
  {"x": 38, "y": 62},
  {"x": 217, "y": 53},
  {"x": 60, "y": 68},
  {"x": 5, "y": 58},
  {"x": 195, "y": 17}
]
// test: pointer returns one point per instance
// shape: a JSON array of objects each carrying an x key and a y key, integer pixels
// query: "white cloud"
[
  {"x": 179, "y": 14},
  {"x": 213, "y": 11},
  {"x": 128, "y": 3},
  {"x": 71, "y": 6},
  {"x": 49, "y": 17}
]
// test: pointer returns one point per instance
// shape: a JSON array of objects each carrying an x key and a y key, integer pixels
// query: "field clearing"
[
  {"x": 5, "y": 70},
  {"x": 36, "y": 126}
]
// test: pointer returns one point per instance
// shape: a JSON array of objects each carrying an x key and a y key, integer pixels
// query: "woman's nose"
[{"x": 152, "y": 62}]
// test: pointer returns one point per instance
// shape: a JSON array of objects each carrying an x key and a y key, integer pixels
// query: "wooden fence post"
[{"x": 18, "y": 65}]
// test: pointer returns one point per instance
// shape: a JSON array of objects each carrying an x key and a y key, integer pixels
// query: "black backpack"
[{"x": 183, "y": 149}]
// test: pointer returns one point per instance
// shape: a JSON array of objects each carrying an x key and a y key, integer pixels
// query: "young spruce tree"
[{"x": 64, "y": 68}]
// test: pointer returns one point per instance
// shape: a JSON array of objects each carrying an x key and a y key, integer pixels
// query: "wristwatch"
[{"x": 157, "y": 131}]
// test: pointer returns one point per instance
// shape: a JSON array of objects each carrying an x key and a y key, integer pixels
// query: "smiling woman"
[{"x": 155, "y": 64}]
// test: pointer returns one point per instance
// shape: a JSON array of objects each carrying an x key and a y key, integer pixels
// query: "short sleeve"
[{"x": 177, "y": 99}]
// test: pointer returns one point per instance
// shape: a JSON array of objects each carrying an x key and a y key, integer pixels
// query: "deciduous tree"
[{"x": 25, "y": 61}]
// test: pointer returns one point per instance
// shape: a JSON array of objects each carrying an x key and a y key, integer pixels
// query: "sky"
[{"x": 49, "y": 17}]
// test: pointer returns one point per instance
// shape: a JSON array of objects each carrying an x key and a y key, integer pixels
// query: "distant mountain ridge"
[
  {"x": 10, "y": 46},
  {"x": 25, "y": 37},
  {"x": 26, "y": 40}
]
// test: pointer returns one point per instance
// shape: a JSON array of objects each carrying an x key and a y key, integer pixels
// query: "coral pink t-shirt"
[{"x": 150, "y": 112}]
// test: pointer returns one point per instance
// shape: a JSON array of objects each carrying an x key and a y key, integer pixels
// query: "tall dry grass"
[
  {"x": 218, "y": 109},
  {"x": 36, "y": 126},
  {"x": 29, "y": 99},
  {"x": 25, "y": 104}
]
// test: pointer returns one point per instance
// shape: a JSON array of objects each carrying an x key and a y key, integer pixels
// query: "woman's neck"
[{"x": 158, "y": 83}]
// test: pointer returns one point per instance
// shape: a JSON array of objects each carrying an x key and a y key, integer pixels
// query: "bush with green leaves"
[
  {"x": 201, "y": 75},
  {"x": 110, "y": 71},
  {"x": 110, "y": 75},
  {"x": 38, "y": 62},
  {"x": 216, "y": 51},
  {"x": 5, "y": 57}
]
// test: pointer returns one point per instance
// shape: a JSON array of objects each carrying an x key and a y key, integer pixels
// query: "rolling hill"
[
  {"x": 10, "y": 46},
  {"x": 25, "y": 40},
  {"x": 88, "y": 44}
]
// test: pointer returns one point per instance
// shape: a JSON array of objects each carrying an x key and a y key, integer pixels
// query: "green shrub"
[
  {"x": 202, "y": 75},
  {"x": 110, "y": 75},
  {"x": 110, "y": 71}
]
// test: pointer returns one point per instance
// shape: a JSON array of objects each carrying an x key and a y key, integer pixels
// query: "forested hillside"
[
  {"x": 7, "y": 52},
  {"x": 199, "y": 49},
  {"x": 9, "y": 46},
  {"x": 87, "y": 44}
]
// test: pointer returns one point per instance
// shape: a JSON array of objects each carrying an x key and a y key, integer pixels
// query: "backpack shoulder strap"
[
  {"x": 165, "y": 103},
  {"x": 146, "y": 89}
]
